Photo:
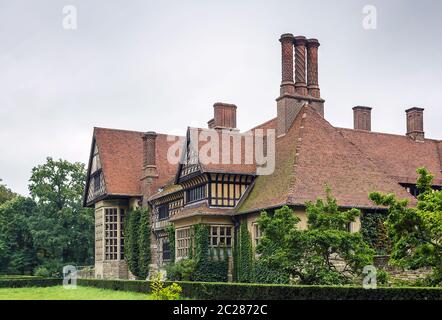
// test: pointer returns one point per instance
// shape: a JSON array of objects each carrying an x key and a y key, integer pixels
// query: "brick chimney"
[
  {"x": 362, "y": 118},
  {"x": 224, "y": 116},
  {"x": 300, "y": 83},
  {"x": 312, "y": 68},
  {"x": 287, "y": 84},
  {"x": 294, "y": 95},
  {"x": 415, "y": 123},
  {"x": 149, "y": 170}
]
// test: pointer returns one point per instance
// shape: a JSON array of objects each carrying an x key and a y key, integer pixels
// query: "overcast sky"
[{"x": 144, "y": 65}]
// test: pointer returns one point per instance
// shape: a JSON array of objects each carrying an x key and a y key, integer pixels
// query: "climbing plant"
[
  {"x": 244, "y": 256},
  {"x": 374, "y": 232},
  {"x": 211, "y": 264},
  {"x": 247, "y": 268},
  {"x": 170, "y": 230},
  {"x": 131, "y": 241},
  {"x": 144, "y": 234}
]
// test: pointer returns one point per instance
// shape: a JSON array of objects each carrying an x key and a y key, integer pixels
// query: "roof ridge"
[
  {"x": 382, "y": 133},
  {"x": 134, "y": 131}
]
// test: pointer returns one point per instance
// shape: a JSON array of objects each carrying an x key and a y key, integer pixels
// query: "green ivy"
[
  {"x": 211, "y": 265},
  {"x": 374, "y": 232},
  {"x": 245, "y": 268},
  {"x": 170, "y": 230},
  {"x": 248, "y": 269},
  {"x": 137, "y": 242},
  {"x": 144, "y": 258}
]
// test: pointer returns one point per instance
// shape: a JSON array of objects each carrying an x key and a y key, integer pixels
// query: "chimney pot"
[
  {"x": 300, "y": 76},
  {"x": 362, "y": 118},
  {"x": 149, "y": 148},
  {"x": 224, "y": 116},
  {"x": 312, "y": 68},
  {"x": 287, "y": 84},
  {"x": 415, "y": 123}
]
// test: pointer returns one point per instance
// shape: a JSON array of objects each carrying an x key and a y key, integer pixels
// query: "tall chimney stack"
[
  {"x": 287, "y": 84},
  {"x": 415, "y": 123},
  {"x": 149, "y": 170},
  {"x": 312, "y": 68},
  {"x": 149, "y": 148},
  {"x": 362, "y": 118},
  {"x": 300, "y": 83},
  {"x": 224, "y": 116}
]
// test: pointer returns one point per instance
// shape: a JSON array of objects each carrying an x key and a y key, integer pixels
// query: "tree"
[
  {"x": 310, "y": 255},
  {"x": 5, "y": 193},
  {"x": 17, "y": 252},
  {"x": 144, "y": 243},
  {"x": 416, "y": 233},
  {"x": 131, "y": 241},
  {"x": 62, "y": 229}
]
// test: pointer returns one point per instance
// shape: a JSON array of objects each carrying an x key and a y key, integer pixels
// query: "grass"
[{"x": 60, "y": 293}]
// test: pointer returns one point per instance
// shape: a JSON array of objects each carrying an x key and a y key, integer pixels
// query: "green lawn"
[{"x": 60, "y": 293}]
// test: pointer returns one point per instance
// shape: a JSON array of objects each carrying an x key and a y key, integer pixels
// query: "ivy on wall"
[
  {"x": 144, "y": 243},
  {"x": 244, "y": 255},
  {"x": 246, "y": 267},
  {"x": 137, "y": 242},
  {"x": 211, "y": 264},
  {"x": 131, "y": 244},
  {"x": 170, "y": 230},
  {"x": 374, "y": 232}
]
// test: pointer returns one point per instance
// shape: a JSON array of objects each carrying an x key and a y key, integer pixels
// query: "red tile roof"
[
  {"x": 121, "y": 154},
  {"x": 311, "y": 155},
  {"x": 314, "y": 154},
  {"x": 399, "y": 156}
]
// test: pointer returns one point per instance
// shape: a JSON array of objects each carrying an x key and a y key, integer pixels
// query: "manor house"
[{"x": 221, "y": 176}]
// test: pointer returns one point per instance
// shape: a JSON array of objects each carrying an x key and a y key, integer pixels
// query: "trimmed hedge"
[
  {"x": 30, "y": 282},
  {"x": 242, "y": 291}
]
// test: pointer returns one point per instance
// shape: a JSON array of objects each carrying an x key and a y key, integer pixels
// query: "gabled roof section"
[
  {"x": 310, "y": 156},
  {"x": 121, "y": 155},
  {"x": 206, "y": 146},
  {"x": 399, "y": 155}
]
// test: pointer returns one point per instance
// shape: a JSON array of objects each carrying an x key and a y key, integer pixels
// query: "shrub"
[
  {"x": 159, "y": 292},
  {"x": 382, "y": 277},
  {"x": 181, "y": 270},
  {"x": 246, "y": 291},
  {"x": 50, "y": 269},
  {"x": 29, "y": 282}
]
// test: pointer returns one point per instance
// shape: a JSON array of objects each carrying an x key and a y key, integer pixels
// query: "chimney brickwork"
[
  {"x": 287, "y": 84},
  {"x": 300, "y": 76},
  {"x": 305, "y": 89},
  {"x": 415, "y": 123},
  {"x": 312, "y": 68},
  {"x": 362, "y": 118},
  {"x": 149, "y": 170},
  {"x": 224, "y": 116}
]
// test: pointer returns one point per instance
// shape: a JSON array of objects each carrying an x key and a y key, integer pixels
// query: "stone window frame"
[
  {"x": 183, "y": 242},
  {"x": 256, "y": 233},
  {"x": 113, "y": 231}
]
